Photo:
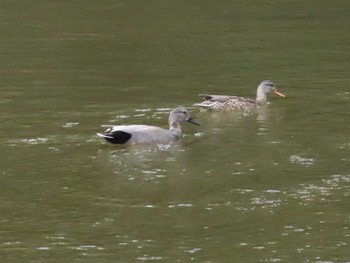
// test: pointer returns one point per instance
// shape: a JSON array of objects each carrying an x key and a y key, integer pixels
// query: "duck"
[
  {"x": 233, "y": 103},
  {"x": 147, "y": 134}
]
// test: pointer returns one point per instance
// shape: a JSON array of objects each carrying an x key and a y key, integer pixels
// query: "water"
[{"x": 271, "y": 186}]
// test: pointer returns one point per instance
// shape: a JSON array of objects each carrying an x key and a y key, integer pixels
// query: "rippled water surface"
[{"x": 265, "y": 186}]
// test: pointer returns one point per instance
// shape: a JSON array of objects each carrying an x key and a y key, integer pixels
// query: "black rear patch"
[{"x": 118, "y": 137}]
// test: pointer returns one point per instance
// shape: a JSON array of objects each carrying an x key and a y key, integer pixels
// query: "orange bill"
[{"x": 279, "y": 94}]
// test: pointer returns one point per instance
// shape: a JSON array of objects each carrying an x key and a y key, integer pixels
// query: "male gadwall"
[
  {"x": 232, "y": 103},
  {"x": 145, "y": 134}
]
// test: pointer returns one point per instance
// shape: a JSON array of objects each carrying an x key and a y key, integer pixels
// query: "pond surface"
[{"x": 269, "y": 186}]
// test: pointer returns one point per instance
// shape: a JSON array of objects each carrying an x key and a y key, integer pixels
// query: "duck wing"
[
  {"x": 219, "y": 98},
  {"x": 137, "y": 134},
  {"x": 214, "y": 102},
  {"x": 226, "y": 103},
  {"x": 239, "y": 103}
]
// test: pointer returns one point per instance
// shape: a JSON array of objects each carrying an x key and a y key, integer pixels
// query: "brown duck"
[{"x": 233, "y": 103}]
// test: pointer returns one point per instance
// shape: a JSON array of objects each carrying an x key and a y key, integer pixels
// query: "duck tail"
[
  {"x": 103, "y": 135},
  {"x": 116, "y": 137}
]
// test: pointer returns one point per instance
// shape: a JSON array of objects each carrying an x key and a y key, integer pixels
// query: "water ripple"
[{"x": 301, "y": 160}]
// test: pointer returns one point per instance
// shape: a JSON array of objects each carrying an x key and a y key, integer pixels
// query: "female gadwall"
[
  {"x": 145, "y": 134},
  {"x": 232, "y": 103}
]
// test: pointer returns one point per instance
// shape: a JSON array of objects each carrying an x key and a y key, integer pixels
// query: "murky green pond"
[{"x": 270, "y": 186}]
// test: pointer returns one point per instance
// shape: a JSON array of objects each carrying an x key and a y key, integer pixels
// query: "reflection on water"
[{"x": 143, "y": 159}]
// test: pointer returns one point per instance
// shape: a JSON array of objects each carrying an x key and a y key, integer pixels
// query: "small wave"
[
  {"x": 301, "y": 160},
  {"x": 34, "y": 140}
]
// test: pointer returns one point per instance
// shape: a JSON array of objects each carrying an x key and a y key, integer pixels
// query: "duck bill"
[
  {"x": 279, "y": 94},
  {"x": 195, "y": 122}
]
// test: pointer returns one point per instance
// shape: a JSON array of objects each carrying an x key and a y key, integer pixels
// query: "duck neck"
[
  {"x": 260, "y": 95},
  {"x": 174, "y": 125},
  {"x": 175, "y": 129}
]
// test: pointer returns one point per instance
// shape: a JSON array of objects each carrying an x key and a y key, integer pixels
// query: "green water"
[{"x": 271, "y": 186}]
